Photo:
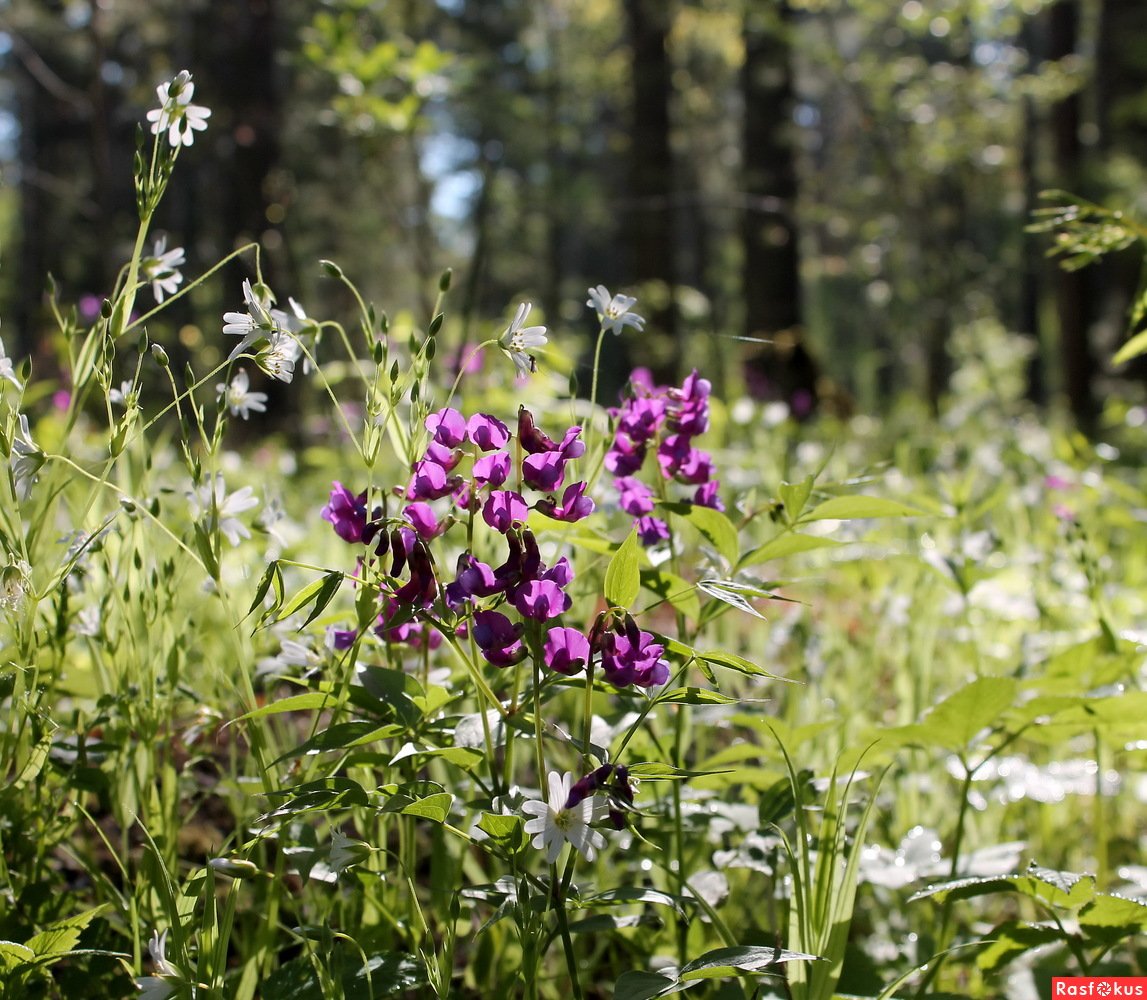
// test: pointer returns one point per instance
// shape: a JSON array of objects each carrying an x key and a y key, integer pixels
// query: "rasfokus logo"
[{"x": 1099, "y": 986}]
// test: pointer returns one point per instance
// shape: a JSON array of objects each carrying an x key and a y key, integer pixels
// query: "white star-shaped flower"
[
  {"x": 7, "y": 370},
  {"x": 212, "y": 502},
  {"x": 517, "y": 339},
  {"x": 161, "y": 269},
  {"x": 239, "y": 397},
  {"x": 554, "y": 825},
  {"x": 176, "y": 114},
  {"x": 614, "y": 312}
]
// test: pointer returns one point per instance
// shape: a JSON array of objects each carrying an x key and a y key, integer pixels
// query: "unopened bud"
[{"x": 160, "y": 355}]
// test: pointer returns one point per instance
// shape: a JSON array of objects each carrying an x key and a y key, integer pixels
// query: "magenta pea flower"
[
  {"x": 439, "y": 454},
  {"x": 486, "y": 432},
  {"x": 636, "y": 660},
  {"x": 574, "y": 506},
  {"x": 542, "y": 600},
  {"x": 424, "y": 520},
  {"x": 651, "y": 530},
  {"x": 706, "y": 495},
  {"x": 429, "y": 482},
  {"x": 448, "y": 427},
  {"x": 636, "y": 498},
  {"x": 624, "y": 457},
  {"x": 504, "y": 509},
  {"x": 346, "y": 512},
  {"x": 566, "y": 650},
  {"x": 492, "y": 470},
  {"x": 472, "y": 579},
  {"x": 498, "y": 638},
  {"x": 544, "y": 471}
]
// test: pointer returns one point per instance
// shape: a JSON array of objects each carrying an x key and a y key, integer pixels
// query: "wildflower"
[
  {"x": 126, "y": 395},
  {"x": 429, "y": 481},
  {"x": 7, "y": 370},
  {"x": 498, "y": 638},
  {"x": 161, "y": 269},
  {"x": 448, "y": 427},
  {"x": 505, "y": 509},
  {"x": 279, "y": 357},
  {"x": 254, "y": 324},
  {"x": 425, "y": 522},
  {"x": 516, "y": 339},
  {"x": 555, "y": 824},
  {"x": 492, "y": 470},
  {"x": 486, "y": 432},
  {"x": 633, "y": 659},
  {"x": 613, "y": 313},
  {"x": 26, "y": 460},
  {"x": 239, "y": 397},
  {"x": 636, "y": 497},
  {"x": 541, "y": 599},
  {"x": 706, "y": 495},
  {"x": 160, "y": 986},
  {"x": 619, "y": 791},
  {"x": 176, "y": 114},
  {"x": 574, "y": 506},
  {"x": 473, "y": 579},
  {"x": 566, "y": 650},
  {"x": 212, "y": 501},
  {"x": 651, "y": 530},
  {"x": 422, "y": 587},
  {"x": 346, "y": 512},
  {"x": 545, "y": 471}
]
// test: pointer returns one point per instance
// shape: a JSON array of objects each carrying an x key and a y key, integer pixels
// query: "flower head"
[
  {"x": 220, "y": 508},
  {"x": 566, "y": 650},
  {"x": 554, "y": 824},
  {"x": 7, "y": 370},
  {"x": 176, "y": 114},
  {"x": 238, "y": 395},
  {"x": 613, "y": 313},
  {"x": 347, "y": 513},
  {"x": 161, "y": 269},
  {"x": 498, "y": 638},
  {"x": 517, "y": 338}
]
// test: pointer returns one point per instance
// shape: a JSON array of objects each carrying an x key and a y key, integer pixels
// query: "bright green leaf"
[{"x": 623, "y": 574}]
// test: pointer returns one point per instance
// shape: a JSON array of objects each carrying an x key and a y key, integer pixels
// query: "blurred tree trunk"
[
  {"x": 1071, "y": 286},
  {"x": 1028, "y": 321},
  {"x": 648, "y": 225},
  {"x": 770, "y": 273}
]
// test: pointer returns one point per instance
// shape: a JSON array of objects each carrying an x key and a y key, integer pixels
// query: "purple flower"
[
  {"x": 488, "y": 433},
  {"x": 429, "y": 482},
  {"x": 422, "y": 587},
  {"x": 560, "y": 573},
  {"x": 439, "y": 454},
  {"x": 542, "y": 600},
  {"x": 636, "y": 660},
  {"x": 530, "y": 437},
  {"x": 346, "y": 512},
  {"x": 706, "y": 495},
  {"x": 504, "y": 509},
  {"x": 473, "y": 579},
  {"x": 690, "y": 406},
  {"x": 636, "y": 497},
  {"x": 651, "y": 530},
  {"x": 681, "y": 461},
  {"x": 425, "y": 522},
  {"x": 571, "y": 446},
  {"x": 393, "y": 626},
  {"x": 624, "y": 457},
  {"x": 574, "y": 506},
  {"x": 492, "y": 470},
  {"x": 566, "y": 650},
  {"x": 448, "y": 427},
  {"x": 498, "y": 638},
  {"x": 641, "y": 418},
  {"x": 341, "y": 638},
  {"x": 544, "y": 471}
]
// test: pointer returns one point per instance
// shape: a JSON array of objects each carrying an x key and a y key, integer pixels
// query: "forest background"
[{"x": 816, "y": 194}]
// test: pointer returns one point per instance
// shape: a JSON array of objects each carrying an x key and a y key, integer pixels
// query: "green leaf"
[
  {"x": 1068, "y": 890},
  {"x": 1132, "y": 349},
  {"x": 1012, "y": 939},
  {"x": 295, "y": 703},
  {"x": 641, "y": 986},
  {"x": 13, "y": 955},
  {"x": 434, "y": 807},
  {"x": 272, "y": 576},
  {"x": 61, "y": 937},
  {"x": 506, "y": 831},
  {"x": 1109, "y": 918},
  {"x": 321, "y": 591},
  {"x": 956, "y": 721},
  {"x": 654, "y": 771},
  {"x": 731, "y": 593},
  {"x": 731, "y": 961},
  {"x": 623, "y": 574},
  {"x": 633, "y": 894},
  {"x": 695, "y": 696},
  {"x": 795, "y": 496},
  {"x": 737, "y": 663},
  {"x": 858, "y": 507},
  {"x": 714, "y": 525},
  {"x": 787, "y": 544}
]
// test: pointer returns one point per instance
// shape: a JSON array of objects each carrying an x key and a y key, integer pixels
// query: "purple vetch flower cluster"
[
  {"x": 666, "y": 419},
  {"x": 463, "y": 473}
]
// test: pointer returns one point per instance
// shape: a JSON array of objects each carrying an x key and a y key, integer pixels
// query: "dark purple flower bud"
[
  {"x": 429, "y": 482},
  {"x": 544, "y": 471},
  {"x": 706, "y": 495},
  {"x": 574, "y": 506},
  {"x": 425, "y": 522},
  {"x": 346, "y": 512},
  {"x": 498, "y": 638},
  {"x": 492, "y": 470},
  {"x": 636, "y": 498},
  {"x": 542, "y": 600},
  {"x": 422, "y": 587},
  {"x": 488, "y": 433},
  {"x": 504, "y": 510},
  {"x": 566, "y": 650},
  {"x": 560, "y": 573},
  {"x": 651, "y": 530},
  {"x": 532, "y": 440},
  {"x": 448, "y": 427}
]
